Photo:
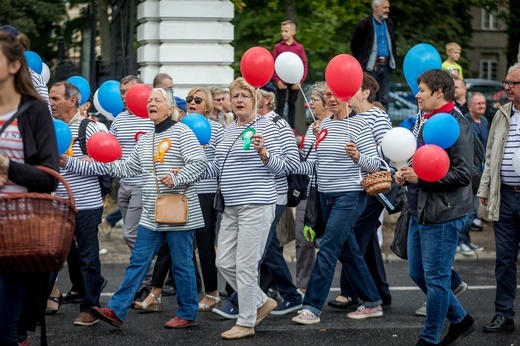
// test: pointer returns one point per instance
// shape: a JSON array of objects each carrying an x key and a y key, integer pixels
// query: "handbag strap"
[
  {"x": 20, "y": 110},
  {"x": 155, "y": 172}
]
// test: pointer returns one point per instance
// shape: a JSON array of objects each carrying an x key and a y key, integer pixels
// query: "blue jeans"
[
  {"x": 341, "y": 211},
  {"x": 12, "y": 297},
  {"x": 507, "y": 237},
  {"x": 273, "y": 258},
  {"x": 114, "y": 217},
  {"x": 146, "y": 247},
  {"x": 86, "y": 235},
  {"x": 431, "y": 251}
]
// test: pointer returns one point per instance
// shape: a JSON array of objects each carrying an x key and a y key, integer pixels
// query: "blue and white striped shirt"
[
  {"x": 507, "y": 172},
  {"x": 378, "y": 121},
  {"x": 244, "y": 179},
  {"x": 128, "y": 128},
  {"x": 217, "y": 133}
]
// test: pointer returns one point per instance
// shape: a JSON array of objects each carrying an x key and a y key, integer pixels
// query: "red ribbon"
[
  {"x": 138, "y": 135},
  {"x": 321, "y": 136}
]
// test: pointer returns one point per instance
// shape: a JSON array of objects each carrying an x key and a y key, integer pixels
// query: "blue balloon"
[
  {"x": 63, "y": 135},
  {"x": 34, "y": 61},
  {"x": 109, "y": 97},
  {"x": 199, "y": 125},
  {"x": 419, "y": 59},
  {"x": 442, "y": 129},
  {"x": 83, "y": 87}
]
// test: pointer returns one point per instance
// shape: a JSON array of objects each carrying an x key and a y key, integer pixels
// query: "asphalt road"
[{"x": 398, "y": 326}]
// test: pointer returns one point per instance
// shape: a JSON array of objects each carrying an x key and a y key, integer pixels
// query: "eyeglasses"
[
  {"x": 329, "y": 95},
  {"x": 219, "y": 100},
  {"x": 243, "y": 95},
  {"x": 509, "y": 83},
  {"x": 197, "y": 100},
  {"x": 168, "y": 89},
  {"x": 313, "y": 100}
]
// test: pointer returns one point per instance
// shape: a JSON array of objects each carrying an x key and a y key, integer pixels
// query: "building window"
[
  {"x": 488, "y": 69},
  {"x": 489, "y": 20}
]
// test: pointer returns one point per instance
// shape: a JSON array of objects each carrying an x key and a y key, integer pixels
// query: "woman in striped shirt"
[
  {"x": 246, "y": 162},
  {"x": 345, "y": 145},
  {"x": 170, "y": 147}
]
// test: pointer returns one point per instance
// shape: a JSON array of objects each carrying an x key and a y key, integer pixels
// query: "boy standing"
[
  {"x": 288, "y": 44},
  {"x": 453, "y": 51}
]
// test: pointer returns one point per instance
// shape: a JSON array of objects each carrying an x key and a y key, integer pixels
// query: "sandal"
[
  {"x": 205, "y": 307},
  {"x": 58, "y": 300},
  {"x": 156, "y": 306}
]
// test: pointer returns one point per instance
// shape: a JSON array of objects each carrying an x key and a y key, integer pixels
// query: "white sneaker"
[
  {"x": 465, "y": 250},
  {"x": 306, "y": 317},
  {"x": 421, "y": 311}
]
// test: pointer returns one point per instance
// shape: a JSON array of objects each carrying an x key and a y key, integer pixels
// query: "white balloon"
[
  {"x": 399, "y": 144},
  {"x": 516, "y": 161},
  {"x": 46, "y": 73},
  {"x": 100, "y": 109},
  {"x": 289, "y": 67}
]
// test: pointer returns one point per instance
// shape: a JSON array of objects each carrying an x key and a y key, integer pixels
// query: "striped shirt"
[
  {"x": 217, "y": 133},
  {"x": 290, "y": 152},
  {"x": 128, "y": 128},
  {"x": 41, "y": 87},
  {"x": 309, "y": 144},
  {"x": 507, "y": 172},
  {"x": 185, "y": 153},
  {"x": 378, "y": 121},
  {"x": 336, "y": 171},
  {"x": 11, "y": 145},
  {"x": 244, "y": 179},
  {"x": 82, "y": 176}
]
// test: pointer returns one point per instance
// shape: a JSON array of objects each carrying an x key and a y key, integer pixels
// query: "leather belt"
[
  {"x": 510, "y": 187},
  {"x": 382, "y": 60}
]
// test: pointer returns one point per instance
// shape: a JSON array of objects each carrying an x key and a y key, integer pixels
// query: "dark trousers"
[
  {"x": 507, "y": 237},
  {"x": 281, "y": 96},
  {"x": 383, "y": 74},
  {"x": 205, "y": 238},
  {"x": 87, "y": 246},
  {"x": 366, "y": 235}
]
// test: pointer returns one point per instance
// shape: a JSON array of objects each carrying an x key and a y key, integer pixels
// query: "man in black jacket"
[
  {"x": 373, "y": 45},
  {"x": 438, "y": 210}
]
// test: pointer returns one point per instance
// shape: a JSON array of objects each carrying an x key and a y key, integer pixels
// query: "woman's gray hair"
[
  {"x": 168, "y": 96},
  {"x": 272, "y": 101},
  {"x": 319, "y": 89}
]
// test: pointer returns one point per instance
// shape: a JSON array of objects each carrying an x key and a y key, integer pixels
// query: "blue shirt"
[{"x": 382, "y": 38}]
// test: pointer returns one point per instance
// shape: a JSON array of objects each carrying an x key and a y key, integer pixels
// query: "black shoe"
[
  {"x": 272, "y": 293},
  {"x": 498, "y": 324},
  {"x": 422, "y": 342},
  {"x": 73, "y": 298},
  {"x": 459, "y": 331},
  {"x": 168, "y": 290},
  {"x": 58, "y": 300},
  {"x": 142, "y": 294},
  {"x": 351, "y": 302}
]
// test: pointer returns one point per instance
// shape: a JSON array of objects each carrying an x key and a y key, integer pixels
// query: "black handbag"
[
  {"x": 400, "y": 242},
  {"x": 218, "y": 201},
  {"x": 394, "y": 199},
  {"x": 297, "y": 184},
  {"x": 313, "y": 214}
]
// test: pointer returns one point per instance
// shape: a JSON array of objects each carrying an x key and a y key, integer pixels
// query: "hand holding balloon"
[
  {"x": 352, "y": 152},
  {"x": 258, "y": 141},
  {"x": 409, "y": 175}
]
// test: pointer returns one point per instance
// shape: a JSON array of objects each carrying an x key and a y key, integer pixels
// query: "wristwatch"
[{"x": 265, "y": 157}]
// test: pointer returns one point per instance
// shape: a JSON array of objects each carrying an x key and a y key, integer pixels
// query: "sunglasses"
[{"x": 197, "y": 100}]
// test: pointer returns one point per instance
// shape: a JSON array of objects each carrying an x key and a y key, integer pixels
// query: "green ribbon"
[{"x": 246, "y": 136}]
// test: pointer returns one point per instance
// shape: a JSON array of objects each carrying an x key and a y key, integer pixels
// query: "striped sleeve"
[
  {"x": 378, "y": 121},
  {"x": 41, "y": 87}
]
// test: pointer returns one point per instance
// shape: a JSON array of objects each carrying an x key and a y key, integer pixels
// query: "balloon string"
[
  {"x": 306, "y": 102},
  {"x": 348, "y": 123},
  {"x": 256, "y": 102}
]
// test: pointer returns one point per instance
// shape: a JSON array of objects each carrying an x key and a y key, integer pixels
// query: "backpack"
[
  {"x": 297, "y": 183},
  {"x": 479, "y": 154},
  {"x": 105, "y": 181}
]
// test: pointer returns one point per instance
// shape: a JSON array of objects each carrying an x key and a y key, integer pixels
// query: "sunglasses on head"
[{"x": 197, "y": 100}]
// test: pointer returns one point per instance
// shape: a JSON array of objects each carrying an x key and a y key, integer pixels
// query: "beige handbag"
[{"x": 170, "y": 208}]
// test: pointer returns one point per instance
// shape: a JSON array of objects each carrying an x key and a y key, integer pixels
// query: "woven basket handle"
[
  {"x": 377, "y": 158},
  {"x": 58, "y": 176}
]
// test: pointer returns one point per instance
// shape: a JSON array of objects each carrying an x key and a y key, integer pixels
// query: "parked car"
[
  {"x": 401, "y": 103},
  {"x": 492, "y": 90}
]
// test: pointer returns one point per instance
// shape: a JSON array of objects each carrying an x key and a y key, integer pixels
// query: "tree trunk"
[
  {"x": 290, "y": 10},
  {"x": 104, "y": 29}
]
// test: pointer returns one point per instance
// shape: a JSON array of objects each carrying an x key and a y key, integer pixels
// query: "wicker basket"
[
  {"x": 377, "y": 182},
  {"x": 36, "y": 230}
]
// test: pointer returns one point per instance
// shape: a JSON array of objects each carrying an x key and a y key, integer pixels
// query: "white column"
[{"x": 189, "y": 40}]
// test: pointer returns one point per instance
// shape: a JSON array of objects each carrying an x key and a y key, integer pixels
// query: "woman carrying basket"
[
  {"x": 170, "y": 160},
  {"x": 27, "y": 141}
]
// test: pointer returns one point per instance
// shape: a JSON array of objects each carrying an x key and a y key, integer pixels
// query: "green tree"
[{"x": 39, "y": 19}]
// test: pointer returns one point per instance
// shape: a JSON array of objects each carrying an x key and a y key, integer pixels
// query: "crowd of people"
[{"x": 236, "y": 190}]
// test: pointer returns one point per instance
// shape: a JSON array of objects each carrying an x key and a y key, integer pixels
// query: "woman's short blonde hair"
[
  {"x": 208, "y": 100},
  {"x": 240, "y": 83},
  {"x": 171, "y": 102}
]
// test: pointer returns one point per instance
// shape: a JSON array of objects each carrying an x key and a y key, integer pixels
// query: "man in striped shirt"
[
  {"x": 82, "y": 177},
  {"x": 499, "y": 192}
]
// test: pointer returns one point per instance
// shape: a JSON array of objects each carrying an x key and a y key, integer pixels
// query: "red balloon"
[
  {"x": 137, "y": 99},
  {"x": 257, "y": 66},
  {"x": 344, "y": 76},
  {"x": 431, "y": 162},
  {"x": 104, "y": 147}
]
